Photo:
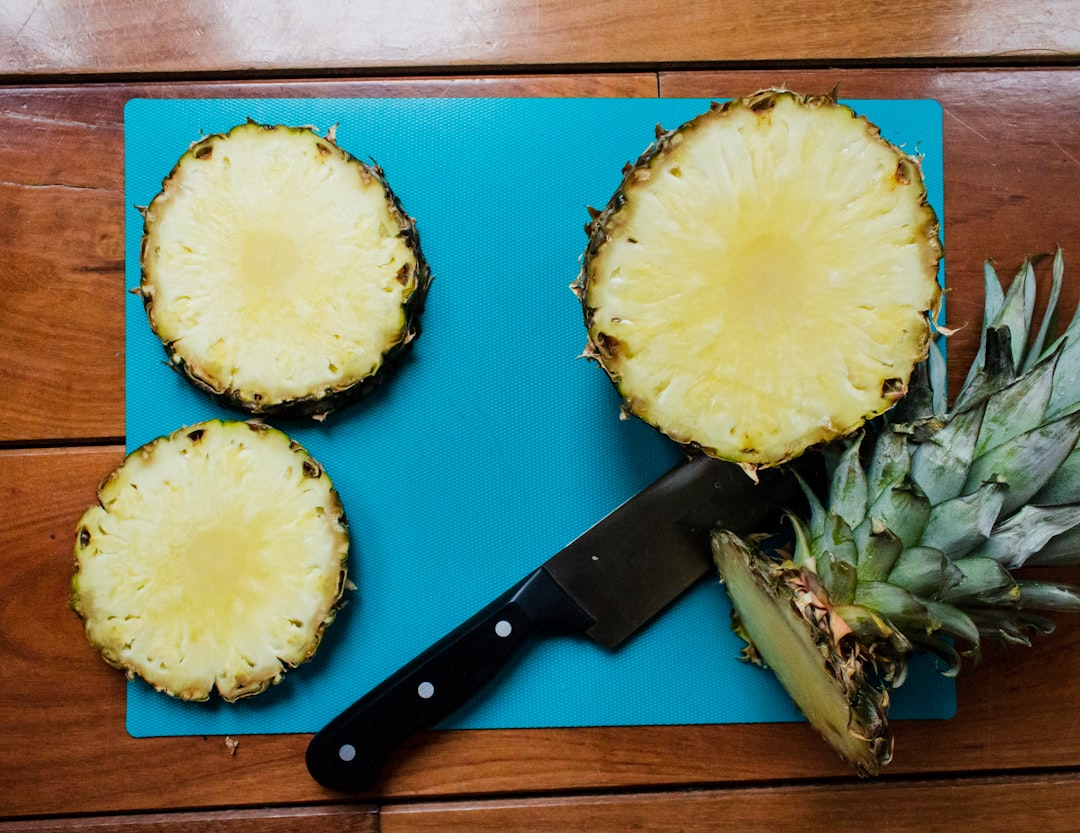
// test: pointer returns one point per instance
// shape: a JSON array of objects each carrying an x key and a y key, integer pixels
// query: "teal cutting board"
[{"x": 494, "y": 444}]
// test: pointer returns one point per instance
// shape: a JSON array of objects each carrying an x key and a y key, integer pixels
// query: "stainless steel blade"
[{"x": 636, "y": 561}]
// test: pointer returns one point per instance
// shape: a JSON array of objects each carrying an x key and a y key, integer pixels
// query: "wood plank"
[
  {"x": 111, "y": 36},
  {"x": 64, "y": 748},
  {"x": 1012, "y": 166},
  {"x": 1034, "y": 804},
  {"x": 1004, "y": 201},
  {"x": 62, "y": 239},
  {"x": 333, "y": 819}
]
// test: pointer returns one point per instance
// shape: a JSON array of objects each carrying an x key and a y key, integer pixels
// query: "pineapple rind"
[
  {"x": 281, "y": 273},
  {"x": 214, "y": 559},
  {"x": 790, "y": 630},
  {"x": 806, "y": 274}
]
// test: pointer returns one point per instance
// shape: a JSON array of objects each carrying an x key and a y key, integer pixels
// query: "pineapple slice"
[
  {"x": 761, "y": 280},
  {"x": 215, "y": 558},
  {"x": 280, "y": 273}
]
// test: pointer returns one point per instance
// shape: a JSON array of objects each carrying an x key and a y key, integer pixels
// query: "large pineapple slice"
[
  {"x": 280, "y": 273},
  {"x": 762, "y": 280},
  {"x": 915, "y": 544},
  {"x": 215, "y": 558}
]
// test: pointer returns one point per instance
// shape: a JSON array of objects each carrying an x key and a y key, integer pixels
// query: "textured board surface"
[{"x": 493, "y": 445}]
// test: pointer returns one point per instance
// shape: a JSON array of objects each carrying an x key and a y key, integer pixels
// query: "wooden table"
[{"x": 1008, "y": 79}]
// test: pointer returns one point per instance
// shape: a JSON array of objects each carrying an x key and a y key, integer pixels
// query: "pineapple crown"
[{"x": 921, "y": 530}]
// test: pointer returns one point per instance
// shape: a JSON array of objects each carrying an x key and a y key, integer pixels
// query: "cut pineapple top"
[
  {"x": 279, "y": 271},
  {"x": 762, "y": 279},
  {"x": 215, "y": 558},
  {"x": 916, "y": 538}
]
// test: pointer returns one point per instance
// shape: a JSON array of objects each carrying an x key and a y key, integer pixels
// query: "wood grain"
[
  {"x": 982, "y": 805},
  {"x": 62, "y": 237},
  {"x": 115, "y": 37},
  {"x": 1012, "y": 145},
  {"x": 341, "y": 819},
  {"x": 64, "y": 748}
]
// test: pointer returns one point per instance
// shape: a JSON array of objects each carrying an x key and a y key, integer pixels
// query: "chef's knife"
[{"x": 606, "y": 584}]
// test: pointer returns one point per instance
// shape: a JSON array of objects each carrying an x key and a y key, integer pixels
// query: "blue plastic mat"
[{"x": 493, "y": 445}]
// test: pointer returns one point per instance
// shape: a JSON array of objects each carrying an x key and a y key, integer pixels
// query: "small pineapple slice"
[
  {"x": 215, "y": 558},
  {"x": 761, "y": 280},
  {"x": 280, "y": 273}
]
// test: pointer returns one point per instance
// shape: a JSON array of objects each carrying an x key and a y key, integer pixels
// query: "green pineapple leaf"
[
  {"x": 993, "y": 301},
  {"x": 1027, "y": 532},
  {"x": 959, "y": 525},
  {"x": 903, "y": 509},
  {"x": 1027, "y": 462},
  {"x": 1017, "y": 408},
  {"x": 925, "y": 572},
  {"x": 890, "y": 463},
  {"x": 1038, "y": 349},
  {"x": 1044, "y": 595},
  {"x": 849, "y": 490},
  {"x": 940, "y": 464}
]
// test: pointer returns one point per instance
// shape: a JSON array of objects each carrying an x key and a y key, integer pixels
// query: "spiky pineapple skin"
[
  {"x": 799, "y": 636},
  {"x": 317, "y": 404},
  {"x": 607, "y": 350},
  {"x": 105, "y": 630}
]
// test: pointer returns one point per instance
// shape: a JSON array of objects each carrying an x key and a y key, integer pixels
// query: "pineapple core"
[{"x": 765, "y": 281}]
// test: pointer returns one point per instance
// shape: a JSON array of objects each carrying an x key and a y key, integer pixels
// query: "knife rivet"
[
  {"x": 347, "y": 752},
  {"x": 503, "y": 628},
  {"x": 426, "y": 690}
]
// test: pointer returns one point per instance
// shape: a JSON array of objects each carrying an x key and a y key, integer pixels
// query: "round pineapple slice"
[
  {"x": 762, "y": 280},
  {"x": 280, "y": 273},
  {"x": 215, "y": 558}
]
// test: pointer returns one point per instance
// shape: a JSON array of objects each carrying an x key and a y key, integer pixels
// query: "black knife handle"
[{"x": 346, "y": 754}]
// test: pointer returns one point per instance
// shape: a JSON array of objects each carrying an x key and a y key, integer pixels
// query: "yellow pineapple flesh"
[
  {"x": 280, "y": 273},
  {"x": 213, "y": 559},
  {"x": 763, "y": 279}
]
